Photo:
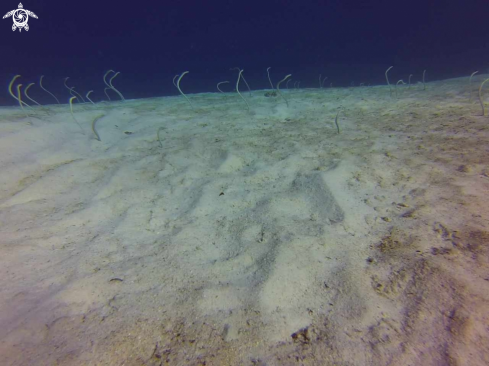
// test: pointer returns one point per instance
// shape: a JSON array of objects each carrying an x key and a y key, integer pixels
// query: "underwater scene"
[{"x": 244, "y": 183}]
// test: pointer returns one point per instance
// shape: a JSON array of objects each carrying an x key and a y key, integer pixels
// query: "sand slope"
[{"x": 248, "y": 238}]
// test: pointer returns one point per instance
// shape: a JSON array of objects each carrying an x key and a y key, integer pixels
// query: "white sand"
[{"x": 248, "y": 238}]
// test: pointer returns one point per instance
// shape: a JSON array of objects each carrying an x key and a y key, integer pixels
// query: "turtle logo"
[{"x": 20, "y": 17}]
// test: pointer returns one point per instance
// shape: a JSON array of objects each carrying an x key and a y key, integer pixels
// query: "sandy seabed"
[{"x": 210, "y": 234}]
